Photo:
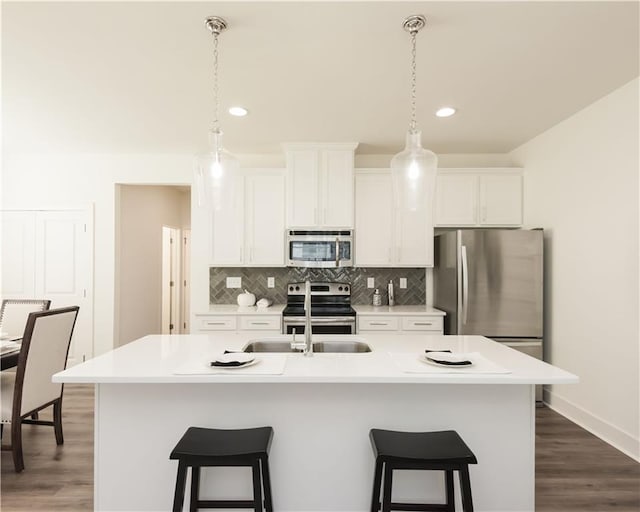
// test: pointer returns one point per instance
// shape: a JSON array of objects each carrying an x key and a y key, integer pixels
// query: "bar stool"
[
  {"x": 443, "y": 451},
  {"x": 208, "y": 447}
]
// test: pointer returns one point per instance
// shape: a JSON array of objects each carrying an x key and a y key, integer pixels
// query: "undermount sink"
[{"x": 324, "y": 346}]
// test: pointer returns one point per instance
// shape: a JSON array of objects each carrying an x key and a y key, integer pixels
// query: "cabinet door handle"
[
  {"x": 389, "y": 255},
  {"x": 241, "y": 254},
  {"x": 484, "y": 214}
]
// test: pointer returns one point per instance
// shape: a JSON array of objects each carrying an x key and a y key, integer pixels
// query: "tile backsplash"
[{"x": 255, "y": 280}]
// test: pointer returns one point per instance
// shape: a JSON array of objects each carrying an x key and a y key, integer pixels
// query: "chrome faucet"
[
  {"x": 308, "y": 343},
  {"x": 307, "y": 346}
]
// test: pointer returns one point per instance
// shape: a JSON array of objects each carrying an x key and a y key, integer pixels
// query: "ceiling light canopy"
[
  {"x": 445, "y": 112},
  {"x": 414, "y": 169},
  {"x": 216, "y": 170}
]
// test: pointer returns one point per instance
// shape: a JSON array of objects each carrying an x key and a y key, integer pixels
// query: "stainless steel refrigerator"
[{"x": 490, "y": 282}]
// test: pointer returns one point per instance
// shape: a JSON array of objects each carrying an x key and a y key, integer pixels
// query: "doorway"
[{"x": 146, "y": 216}]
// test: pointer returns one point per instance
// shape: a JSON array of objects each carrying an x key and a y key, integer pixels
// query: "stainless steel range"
[{"x": 331, "y": 311}]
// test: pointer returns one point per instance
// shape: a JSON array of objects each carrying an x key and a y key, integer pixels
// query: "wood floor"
[{"x": 575, "y": 471}]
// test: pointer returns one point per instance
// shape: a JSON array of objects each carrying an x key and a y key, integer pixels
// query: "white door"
[
  {"x": 302, "y": 188},
  {"x": 414, "y": 239},
  {"x": 456, "y": 199},
  {"x": 186, "y": 279},
  {"x": 227, "y": 228},
  {"x": 57, "y": 264},
  {"x": 171, "y": 252}
]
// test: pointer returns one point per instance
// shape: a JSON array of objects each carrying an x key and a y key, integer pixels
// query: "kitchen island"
[{"x": 321, "y": 408}]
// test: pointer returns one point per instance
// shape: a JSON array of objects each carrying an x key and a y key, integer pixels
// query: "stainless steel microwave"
[{"x": 320, "y": 249}]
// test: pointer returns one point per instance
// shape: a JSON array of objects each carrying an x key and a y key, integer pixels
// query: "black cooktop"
[{"x": 324, "y": 310}]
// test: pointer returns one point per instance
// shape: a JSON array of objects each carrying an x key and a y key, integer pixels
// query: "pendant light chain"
[
  {"x": 412, "y": 125},
  {"x": 216, "y": 127}
]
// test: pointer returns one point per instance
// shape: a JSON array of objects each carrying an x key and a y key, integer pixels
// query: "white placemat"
[
  {"x": 271, "y": 364},
  {"x": 414, "y": 363}
]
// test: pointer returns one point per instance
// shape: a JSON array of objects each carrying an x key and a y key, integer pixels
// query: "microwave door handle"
[{"x": 337, "y": 252}]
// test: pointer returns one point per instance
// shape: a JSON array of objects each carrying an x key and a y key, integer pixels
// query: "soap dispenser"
[{"x": 377, "y": 298}]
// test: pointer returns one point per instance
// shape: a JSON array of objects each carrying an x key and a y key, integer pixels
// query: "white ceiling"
[{"x": 137, "y": 77}]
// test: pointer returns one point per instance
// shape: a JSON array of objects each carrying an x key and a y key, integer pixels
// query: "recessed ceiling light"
[
  {"x": 446, "y": 112},
  {"x": 238, "y": 111}
]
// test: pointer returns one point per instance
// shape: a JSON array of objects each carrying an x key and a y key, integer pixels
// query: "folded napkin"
[
  {"x": 232, "y": 359},
  {"x": 446, "y": 358},
  {"x": 269, "y": 364},
  {"x": 418, "y": 363}
]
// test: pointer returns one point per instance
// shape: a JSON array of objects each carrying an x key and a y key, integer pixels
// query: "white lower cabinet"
[
  {"x": 427, "y": 324},
  {"x": 207, "y": 323}
]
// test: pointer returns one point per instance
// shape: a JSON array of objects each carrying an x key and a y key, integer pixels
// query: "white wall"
[
  {"x": 581, "y": 185},
  {"x": 143, "y": 211},
  {"x": 36, "y": 181}
]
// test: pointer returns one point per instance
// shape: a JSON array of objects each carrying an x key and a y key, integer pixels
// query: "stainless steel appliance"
[
  {"x": 490, "y": 282},
  {"x": 320, "y": 249},
  {"x": 331, "y": 311}
]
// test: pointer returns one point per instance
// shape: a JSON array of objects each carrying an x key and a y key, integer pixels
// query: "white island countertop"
[{"x": 156, "y": 358}]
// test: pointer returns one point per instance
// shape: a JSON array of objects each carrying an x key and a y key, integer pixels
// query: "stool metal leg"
[
  {"x": 386, "y": 493},
  {"x": 178, "y": 497},
  {"x": 377, "y": 482},
  {"x": 451, "y": 505},
  {"x": 266, "y": 485},
  {"x": 257, "y": 486},
  {"x": 465, "y": 488},
  {"x": 195, "y": 489}
]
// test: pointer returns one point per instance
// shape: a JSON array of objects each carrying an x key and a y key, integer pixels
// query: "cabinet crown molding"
[{"x": 301, "y": 146}]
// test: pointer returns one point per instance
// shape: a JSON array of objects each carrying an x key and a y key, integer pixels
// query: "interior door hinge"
[
  {"x": 171, "y": 327},
  {"x": 170, "y": 283}
]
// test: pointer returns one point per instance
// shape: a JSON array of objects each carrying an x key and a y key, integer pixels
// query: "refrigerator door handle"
[{"x": 465, "y": 284}]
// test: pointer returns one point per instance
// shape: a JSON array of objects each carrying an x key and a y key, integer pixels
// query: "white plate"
[{"x": 446, "y": 356}]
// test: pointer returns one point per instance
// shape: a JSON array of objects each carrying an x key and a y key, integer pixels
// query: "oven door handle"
[
  {"x": 337, "y": 252},
  {"x": 321, "y": 320}
]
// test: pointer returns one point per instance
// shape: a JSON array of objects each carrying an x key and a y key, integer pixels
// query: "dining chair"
[
  {"x": 44, "y": 351},
  {"x": 14, "y": 313}
]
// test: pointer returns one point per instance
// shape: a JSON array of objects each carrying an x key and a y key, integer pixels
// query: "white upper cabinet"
[
  {"x": 478, "y": 198},
  {"x": 384, "y": 237},
  {"x": 320, "y": 185},
  {"x": 248, "y": 229}
]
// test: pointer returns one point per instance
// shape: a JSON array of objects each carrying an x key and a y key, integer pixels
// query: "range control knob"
[
  {"x": 290, "y": 288},
  {"x": 297, "y": 288},
  {"x": 340, "y": 288},
  {"x": 346, "y": 288}
]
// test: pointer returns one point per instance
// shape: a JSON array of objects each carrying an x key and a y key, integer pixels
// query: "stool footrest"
[
  {"x": 422, "y": 507},
  {"x": 225, "y": 504}
]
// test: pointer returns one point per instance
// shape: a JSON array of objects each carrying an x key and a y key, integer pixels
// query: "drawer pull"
[
  {"x": 259, "y": 323},
  {"x": 422, "y": 323},
  {"x": 216, "y": 323},
  {"x": 378, "y": 323}
]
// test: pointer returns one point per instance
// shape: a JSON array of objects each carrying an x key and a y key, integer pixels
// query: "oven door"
[
  {"x": 320, "y": 251},
  {"x": 320, "y": 325}
]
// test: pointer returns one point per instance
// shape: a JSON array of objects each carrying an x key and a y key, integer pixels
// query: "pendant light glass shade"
[
  {"x": 216, "y": 174},
  {"x": 414, "y": 175},
  {"x": 414, "y": 169}
]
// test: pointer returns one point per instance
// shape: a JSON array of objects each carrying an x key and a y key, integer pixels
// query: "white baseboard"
[{"x": 609, "y": 433}]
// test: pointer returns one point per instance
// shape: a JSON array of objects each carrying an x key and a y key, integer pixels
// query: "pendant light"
[
  {"x": 217, "y": 170},
  {"x": 414, "y": 168}
]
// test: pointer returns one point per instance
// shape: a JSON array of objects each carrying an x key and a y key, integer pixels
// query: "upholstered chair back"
[
  {"x": 44, "y": 352},
  {"x": 14, "y": 314}
]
